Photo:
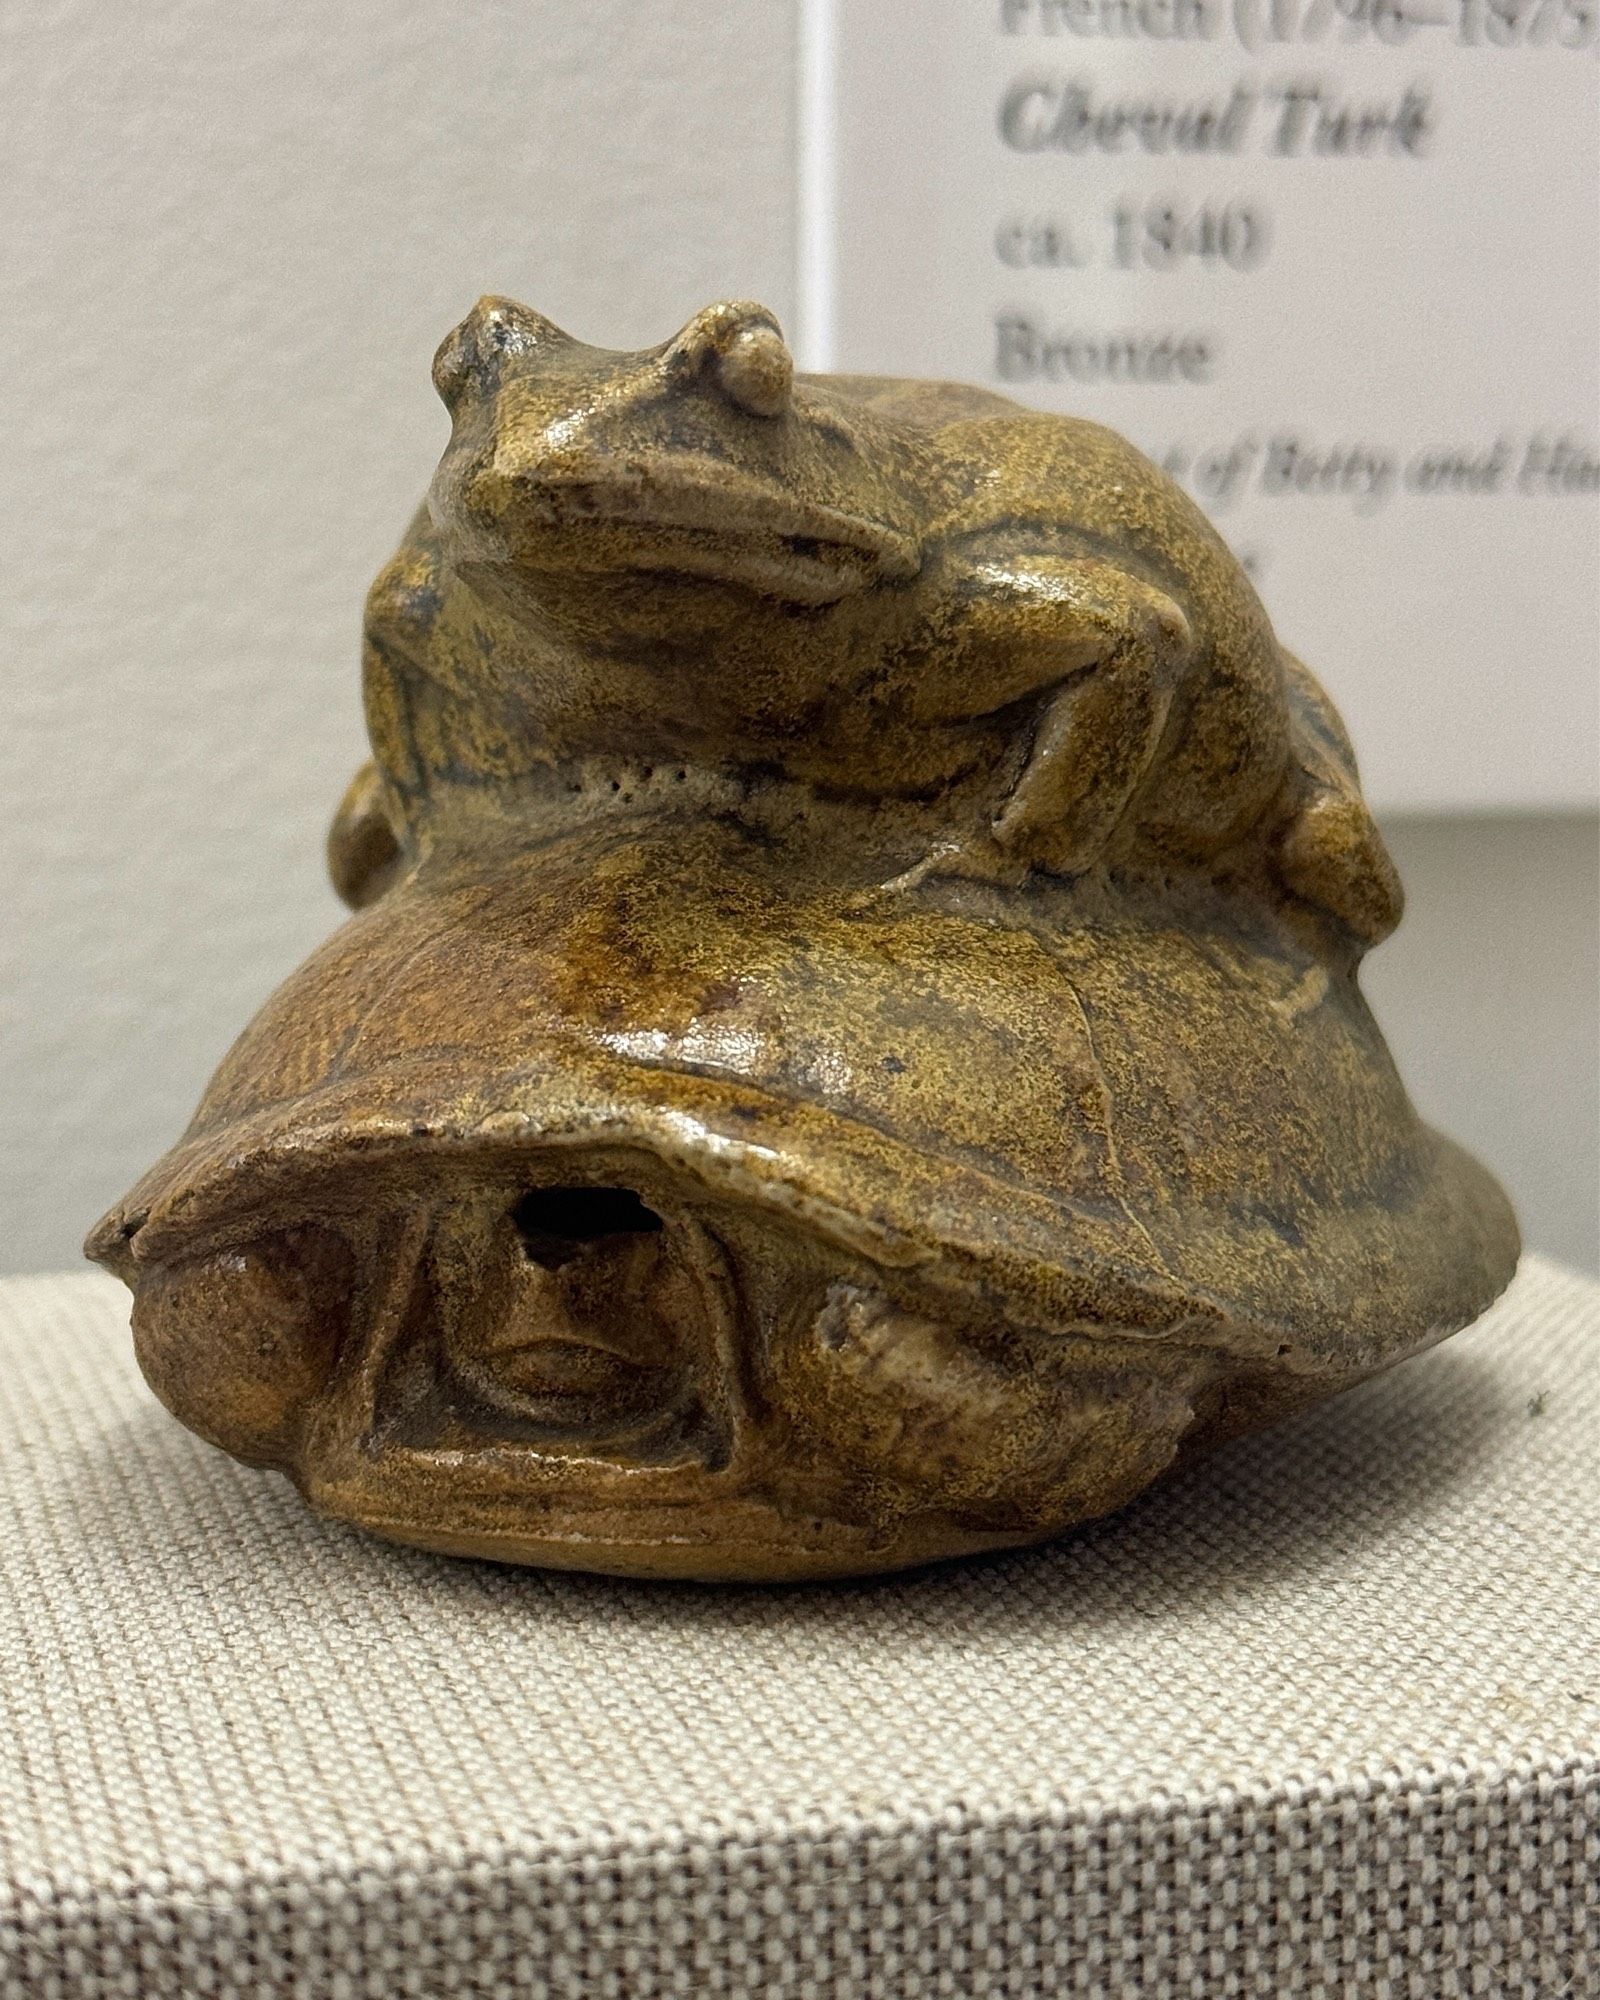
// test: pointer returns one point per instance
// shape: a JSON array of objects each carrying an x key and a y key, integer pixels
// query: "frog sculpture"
[{"x": 849, "y": 1050}]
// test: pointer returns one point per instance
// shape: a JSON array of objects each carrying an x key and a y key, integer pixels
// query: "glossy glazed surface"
[{"x": 849, "y": 1050}]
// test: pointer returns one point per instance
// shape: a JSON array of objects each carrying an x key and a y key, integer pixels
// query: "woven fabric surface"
[{"x": 1320, "y": 1717}]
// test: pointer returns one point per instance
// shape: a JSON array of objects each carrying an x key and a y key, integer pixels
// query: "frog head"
[
  {"x": 684, "y": 543},
  {"x": 705, "y": 459},
  {"x": 691, "y": 557}
]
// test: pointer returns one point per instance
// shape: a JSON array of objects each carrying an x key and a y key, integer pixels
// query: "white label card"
[{"x": 1335, "y": 263}]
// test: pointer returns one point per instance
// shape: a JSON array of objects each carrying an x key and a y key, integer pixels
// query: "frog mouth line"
[{"x": 810, "y": 554}]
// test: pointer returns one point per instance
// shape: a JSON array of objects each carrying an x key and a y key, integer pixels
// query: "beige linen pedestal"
[{"x": 1322, "y": 1717}]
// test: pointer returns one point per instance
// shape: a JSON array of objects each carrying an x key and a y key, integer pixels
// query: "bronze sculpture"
[{"x": 849, "y": 1048}]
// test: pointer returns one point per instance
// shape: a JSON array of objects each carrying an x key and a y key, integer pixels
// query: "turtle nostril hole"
[{"x": 556, "y": 1223}]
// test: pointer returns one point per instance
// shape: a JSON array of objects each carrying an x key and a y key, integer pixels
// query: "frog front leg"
[{"x": 1104, "y": 651}]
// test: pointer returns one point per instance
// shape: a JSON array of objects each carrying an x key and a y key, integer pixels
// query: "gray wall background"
[
  {"x": 1489, "y": 993},
  {"x": 233, "y": 239}
]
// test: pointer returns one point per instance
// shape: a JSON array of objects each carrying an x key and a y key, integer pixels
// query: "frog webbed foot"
[
  {"x": 365, "y": 856},
  {"x": 1331, "y": 854},
  {"x": 977, "y": 857}
]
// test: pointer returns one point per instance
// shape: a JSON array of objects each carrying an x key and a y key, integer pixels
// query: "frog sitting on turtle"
[{"x": 849, "y": 1048}]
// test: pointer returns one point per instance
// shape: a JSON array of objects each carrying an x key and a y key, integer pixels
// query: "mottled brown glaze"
[{"x": 849, "y": 1049}]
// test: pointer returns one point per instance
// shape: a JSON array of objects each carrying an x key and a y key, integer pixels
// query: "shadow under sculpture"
[{"x": 848, "y": 1050}]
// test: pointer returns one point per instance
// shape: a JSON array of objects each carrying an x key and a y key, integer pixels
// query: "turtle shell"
[{"x": 956, "y": 1215}]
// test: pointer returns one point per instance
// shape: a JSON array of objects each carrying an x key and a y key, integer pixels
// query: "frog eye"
[
  {"x": 496, "y": 329},
  {"x": 756, "y": 370}
]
